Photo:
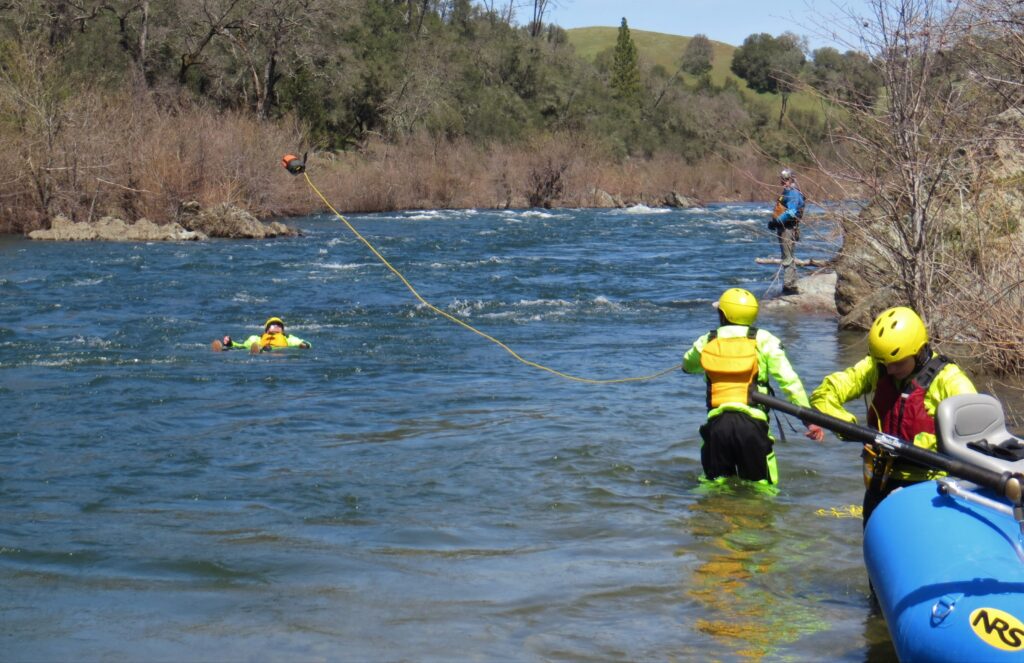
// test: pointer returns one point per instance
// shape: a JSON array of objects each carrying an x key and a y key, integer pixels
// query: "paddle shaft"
[{"x": 1007, "y": 484}]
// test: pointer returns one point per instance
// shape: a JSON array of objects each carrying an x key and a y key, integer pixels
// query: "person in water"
[
  {"x": 909, "y": 381},
  {"x": 789, "y": 209},
  {"x": 733, "y": 357},
  {"x": 273, "y": 337}
]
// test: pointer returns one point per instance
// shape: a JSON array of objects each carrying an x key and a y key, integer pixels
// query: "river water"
[{"x": 406, "y": 490}]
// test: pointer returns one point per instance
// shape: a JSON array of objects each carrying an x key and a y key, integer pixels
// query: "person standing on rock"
[{"x": 789, "y": 209}]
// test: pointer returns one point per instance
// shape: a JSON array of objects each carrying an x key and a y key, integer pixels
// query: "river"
[{"x": 406, "y": 490}]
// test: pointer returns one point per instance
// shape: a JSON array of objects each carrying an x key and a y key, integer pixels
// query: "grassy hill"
[{"x": 656, "y": 48}]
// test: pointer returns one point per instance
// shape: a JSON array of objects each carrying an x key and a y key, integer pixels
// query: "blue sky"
[{"x": 730, "y": 21}]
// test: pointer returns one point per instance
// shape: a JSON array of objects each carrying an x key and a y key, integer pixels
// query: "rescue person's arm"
[
  {"x": 844, "y": 386},
  {"x": 691, "y": 360},
  {"x": 778, "y": 366},
  {"x": 296, "y": 342},
  {"x": 792, "y": 199},
  {"x": 247, "y": 343}
]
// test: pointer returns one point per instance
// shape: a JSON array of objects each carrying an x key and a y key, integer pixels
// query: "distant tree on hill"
[
  {"x": 698, "y": 55},
  {"x": 770, "y": 64},
  {"x": 850, "y": 77},
  {"x": 625, "y": 81}
]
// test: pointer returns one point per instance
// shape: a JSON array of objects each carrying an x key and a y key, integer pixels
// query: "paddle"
[{"x": 1006, "y": 484}]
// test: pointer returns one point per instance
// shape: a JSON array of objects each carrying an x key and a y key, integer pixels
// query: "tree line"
[
  {"x": 351, "y": 70},
  {"x": 81, "y": 79}
]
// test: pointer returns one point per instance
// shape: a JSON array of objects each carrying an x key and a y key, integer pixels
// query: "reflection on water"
[
  {"x": 744, "y": 548},
  {"x": 876, "y": 635}
]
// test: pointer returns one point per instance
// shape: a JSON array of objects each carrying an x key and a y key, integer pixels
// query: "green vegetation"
[
  {"x": 698, "y": 56},
  {"x": 625, "y": 83},
  {"x": 664, "y": 51},
  {"x": 371, "y": 78},
  {"x": 770, "y": 64}
]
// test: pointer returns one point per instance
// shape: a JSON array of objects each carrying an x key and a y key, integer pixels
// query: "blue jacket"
[{"x": 793, "y": 201}]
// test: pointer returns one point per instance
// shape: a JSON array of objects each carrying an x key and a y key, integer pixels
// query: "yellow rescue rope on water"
[
  {"x": 848, "y": 511},
  {"x": 462, "y": 323}
]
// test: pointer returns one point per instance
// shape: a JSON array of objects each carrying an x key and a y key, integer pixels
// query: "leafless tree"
[
  {"x": 903, "y": 152},
  {"x": 501, "y": 10},
  {"x": 208, "y": 20},
  {"x": 540, "y": 9},
  {"x": 932, "y": 158}
]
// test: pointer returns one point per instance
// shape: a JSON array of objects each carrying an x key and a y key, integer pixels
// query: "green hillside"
[{"x": 656, "y": 48}]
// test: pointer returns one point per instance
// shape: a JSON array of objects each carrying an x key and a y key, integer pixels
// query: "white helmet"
[{"x": 786, "y": 174}]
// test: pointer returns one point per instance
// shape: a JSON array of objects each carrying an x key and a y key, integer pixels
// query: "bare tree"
[
  {"x": 994, "y": 39},
  {"x": 67, "y": 16},
  {"x": 131, "y": 37},
  {"x": 501, "y": 10},
  {"x": 902, "y": 151},
  {"x": 209, "y": 19},
  {"x": 936, "y": 158},
  {"x": 540, "y": 8},
  {"x": 263, "y": 39}
]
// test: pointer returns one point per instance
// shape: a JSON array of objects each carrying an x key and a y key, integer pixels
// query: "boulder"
[
  {"x": 227, "y": 220},
  {"x": 817, "y": 294},
  {"x": 601, "y": 198},
  {"x": 673, "y": 199}
]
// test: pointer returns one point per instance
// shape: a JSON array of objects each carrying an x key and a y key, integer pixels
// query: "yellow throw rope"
[
  {"x": 848, "y": 511},
  {"x": 466, "y": 325}
]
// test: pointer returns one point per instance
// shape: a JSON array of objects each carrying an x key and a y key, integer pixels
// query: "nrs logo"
[{"x": 998, "y": 629}]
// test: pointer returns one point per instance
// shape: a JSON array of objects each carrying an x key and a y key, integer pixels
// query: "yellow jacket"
[{"x": 861, "y": 379}]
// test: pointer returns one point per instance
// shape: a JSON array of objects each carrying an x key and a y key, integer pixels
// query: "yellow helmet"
[
  {"x": 897, "y": 333},
  {"x": 272, "y": 321},
  {"x": 739, "y": 306}
]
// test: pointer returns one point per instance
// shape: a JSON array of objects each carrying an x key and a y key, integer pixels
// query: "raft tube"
[
  {"x": 946, "y": 558},
  {"x": 949, "y": 576}
]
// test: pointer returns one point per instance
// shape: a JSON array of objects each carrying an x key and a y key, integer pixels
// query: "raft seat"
[{"x": 972, "y": 428}]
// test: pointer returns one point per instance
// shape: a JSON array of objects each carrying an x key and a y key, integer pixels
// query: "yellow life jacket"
[
  {"x": 273, "y": 340},
  {"x": 731, "y": 367}
]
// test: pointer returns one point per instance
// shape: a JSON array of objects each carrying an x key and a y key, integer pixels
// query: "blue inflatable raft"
[{"x": 946, "y": 558}]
